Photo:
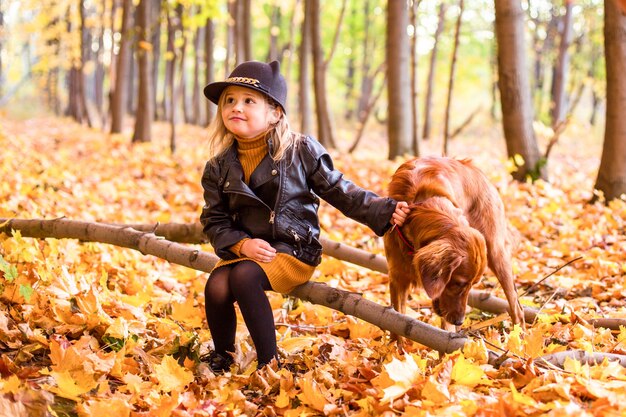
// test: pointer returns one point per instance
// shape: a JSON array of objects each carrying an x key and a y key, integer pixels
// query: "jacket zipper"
[{"x": 272, "y": 213}]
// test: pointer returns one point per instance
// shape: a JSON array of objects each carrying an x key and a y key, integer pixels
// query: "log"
[
  {"x": 482, "y": 300},
  {"x": 318, "y": 293},
  {"x": 346, "y": 302}
]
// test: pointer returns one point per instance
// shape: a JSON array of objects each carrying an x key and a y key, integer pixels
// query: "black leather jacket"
[{"x": 280, "y": 202}]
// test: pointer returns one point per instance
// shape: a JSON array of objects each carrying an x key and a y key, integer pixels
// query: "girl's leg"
[
  {"x": 220, "y": 310},
  {"x": 248, "y": 284}
]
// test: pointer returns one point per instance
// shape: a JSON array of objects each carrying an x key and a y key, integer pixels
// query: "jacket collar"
[{"x": 233, "y": 171}]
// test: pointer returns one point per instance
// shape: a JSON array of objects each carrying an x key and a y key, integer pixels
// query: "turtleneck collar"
[{"x": 251, "y": 143}]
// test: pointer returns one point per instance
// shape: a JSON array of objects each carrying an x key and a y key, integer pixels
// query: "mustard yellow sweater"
[{"x": 284, "y": 272}]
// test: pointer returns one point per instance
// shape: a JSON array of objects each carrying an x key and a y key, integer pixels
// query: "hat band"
[{"x": 245, "y": 80}]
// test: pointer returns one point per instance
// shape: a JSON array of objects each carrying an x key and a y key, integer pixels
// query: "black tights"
[{"x": 246, "y": 283}]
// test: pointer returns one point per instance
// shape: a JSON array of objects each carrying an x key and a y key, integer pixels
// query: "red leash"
[{"x": 403, "y": 238}]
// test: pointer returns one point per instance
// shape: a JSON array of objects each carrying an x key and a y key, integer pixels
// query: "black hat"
[{"x": 259, "y": 76}]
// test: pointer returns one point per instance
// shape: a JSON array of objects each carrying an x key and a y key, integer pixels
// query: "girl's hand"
[
  {"x": 258, "y": 249},
  {"x": 399, "y": 216}
]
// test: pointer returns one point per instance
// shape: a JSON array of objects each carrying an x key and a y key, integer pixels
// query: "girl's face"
[{"x": 246, "y": 113}]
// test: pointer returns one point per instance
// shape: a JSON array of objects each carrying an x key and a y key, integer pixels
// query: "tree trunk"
[
  {"x": 143, "y": 118},
  {"x": 272, "y": 51},
  {"x": 171, "y": 87},
  {"x": 367, "y": 81},
  {"x": 120, "y": 91},
  {"x": 515, "y": 99},
  {"x": 398, "y": 95},
  {"x": 181, "y": 92},
  {"x": 367, "y": 111},
  {"x": 156, "y": 55},
  {"x": 246, "y": 28},
  {"x": 430, "y": 85},
  {"x": 230, "y": 37},
  {"x": 1, "y": 47},
  {"x": 414, "y": 79},
  {"x": 611, "y": 179},
  {"x": 209, "y": 36},
  {"x": 304, "y": 79},
  {"x": 562, "y": 67},
  {"x": 350, "y": 70},
  {"x": 196, "y": 108},
  {"x": 455, "y": 51},
  {"x": 324, "y": 123},
  {"x": 98, "y": 81},
  {"x": 317, "y": 293}
]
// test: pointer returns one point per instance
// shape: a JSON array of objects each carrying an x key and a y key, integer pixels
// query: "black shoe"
[{"x": 218, "y": 362}]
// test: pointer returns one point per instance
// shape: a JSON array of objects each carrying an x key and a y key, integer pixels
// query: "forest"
[{"x": 103, "y": 263}]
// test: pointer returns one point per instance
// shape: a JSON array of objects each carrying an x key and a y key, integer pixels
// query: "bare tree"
[
  {"x": 209, "y": 37},
  {"x": 455, "y": 52},
  {"x": 304, "y": 100},
  {"x": 561, "y": 70},
  {"x": 120, "y": 91},
  {"x": 414, "y": 79},
  {"x": 515, "y": 99},
  {"x": 144, "y": 113},
  {"x": 157, "y": 7},
  {"x": 77, "y": 106},
  {"x": 398, "y": 95},
  {"x": 430, "y": 84},
  {"x": 1, "y": 45},
  {"x": 320, "y": 66},
  {"x": 612, "y": 172}
]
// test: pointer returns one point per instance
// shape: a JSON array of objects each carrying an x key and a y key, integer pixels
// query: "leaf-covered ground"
[{"x": 90, "y": 329}]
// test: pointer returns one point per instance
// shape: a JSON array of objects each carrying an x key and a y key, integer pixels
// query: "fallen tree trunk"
[
  {"x": 346, "y": 302},
  {"x": 482, "y": 300},
  {"x": 148, "y": 243}
]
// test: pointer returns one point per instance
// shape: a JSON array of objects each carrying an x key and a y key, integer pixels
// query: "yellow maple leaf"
[
  {"x": 72, "y": 385},
  {"x": 172, "y": 376},
  {"x": 515, "y": 342},
  {"x": 282, "y": 399},
  {"x": 434, "y": 391},
  {"x": 467, "y": 373},
  {"x": 362, "y": 329},
  {"x": 312, "y": 393},
  {"x": 10, "y": 385},
  {"x": 187, "y": 313},
  {"x": 295, "y": 344},
  {"x": 117, "y": 406}
]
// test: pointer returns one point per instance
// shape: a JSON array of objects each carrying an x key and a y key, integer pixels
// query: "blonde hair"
[{"x": 283, "y": 139}]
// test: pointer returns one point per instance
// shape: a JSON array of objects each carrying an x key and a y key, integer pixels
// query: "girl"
[{"x": 261, "y": 187}]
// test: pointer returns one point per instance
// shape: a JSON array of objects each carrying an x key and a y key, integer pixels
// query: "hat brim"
[{"x": 214, "y": 90}]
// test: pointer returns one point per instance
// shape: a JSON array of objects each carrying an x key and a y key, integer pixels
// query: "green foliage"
[{"x": 10, "y": 271}]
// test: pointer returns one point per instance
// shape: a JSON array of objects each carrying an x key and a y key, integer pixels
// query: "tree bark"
[
  {"x": 430, "y": 84},
  {"x": 209, "y": 37},
  {"x": 398, "y": 95},
  {"x": 346, "y": 302},
  {"x": 121, "y": 74},
  {"x": 318, "y": 293},
  {"x": 562, "y": 67},
  {"x": 611, "y": 180},
  {"x": 1, "y": 46},
  {"x": 304, "y": 79},
  {"x": 414, "y": 80},
  {"x": 143, "y": 118},
  {"x": 515, "y": 99},
  {"x": 320, "y": 64},
  {"x": 455, "y": 52},
  {"x": 156, "y": 55}
]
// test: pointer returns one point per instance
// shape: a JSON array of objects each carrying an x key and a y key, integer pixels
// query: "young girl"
[{"x": 261, "y": 187}]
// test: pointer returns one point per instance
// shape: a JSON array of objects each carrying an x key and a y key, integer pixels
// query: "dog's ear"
[{"x": 435, "y": 264}]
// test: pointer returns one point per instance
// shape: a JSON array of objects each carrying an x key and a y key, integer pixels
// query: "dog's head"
[{"x": 448, "y": 267}]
